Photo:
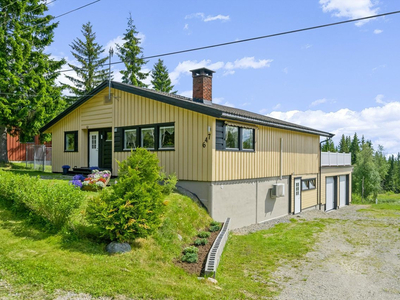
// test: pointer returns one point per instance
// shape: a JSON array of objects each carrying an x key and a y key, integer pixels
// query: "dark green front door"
[{"x": 105, "y": 153}]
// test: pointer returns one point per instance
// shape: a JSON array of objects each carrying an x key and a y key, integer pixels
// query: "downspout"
[
  {"x": 281, "y": 157},
  {"x": 320, "y": 173}
]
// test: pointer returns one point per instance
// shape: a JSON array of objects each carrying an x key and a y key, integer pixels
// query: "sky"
[{"x": 341, "y": 79}]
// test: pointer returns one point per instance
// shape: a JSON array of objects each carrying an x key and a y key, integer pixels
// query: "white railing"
[{"x": 329, "y": 159}]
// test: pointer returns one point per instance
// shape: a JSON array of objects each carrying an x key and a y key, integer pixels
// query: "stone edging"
[{"x": 215, "y": 253}]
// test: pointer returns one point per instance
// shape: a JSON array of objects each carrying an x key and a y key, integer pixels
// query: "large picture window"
[
  {"x": 71, "y": 141},
  {"x": 147, "y": 138},
  {"x": 130, "y": 139},
  {"x": 167, "y": 137}
]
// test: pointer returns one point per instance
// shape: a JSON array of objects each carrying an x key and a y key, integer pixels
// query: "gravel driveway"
[{"x": 357, "y": 257}]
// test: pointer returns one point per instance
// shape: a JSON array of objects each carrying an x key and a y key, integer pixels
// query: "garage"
[
  {"x": 343, "y": 191},
  {"x": 330, "y": 193}
]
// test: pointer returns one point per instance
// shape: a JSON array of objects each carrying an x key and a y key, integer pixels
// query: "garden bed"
[{"x": 198, "y": 268}]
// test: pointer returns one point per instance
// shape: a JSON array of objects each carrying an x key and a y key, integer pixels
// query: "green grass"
[
  {"x": 20, "y": 169},
  {"x": 35, "y": 262},
  {"x": 388, "y": 206}
]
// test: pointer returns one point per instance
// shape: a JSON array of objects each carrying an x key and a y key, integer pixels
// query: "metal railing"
[{"x": 331, "y": 159}]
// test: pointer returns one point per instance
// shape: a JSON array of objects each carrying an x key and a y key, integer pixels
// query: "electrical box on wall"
[{"x": 278, "y": 190}]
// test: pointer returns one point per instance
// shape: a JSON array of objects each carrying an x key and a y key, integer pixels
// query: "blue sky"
[{"x": 340, "y": 79}]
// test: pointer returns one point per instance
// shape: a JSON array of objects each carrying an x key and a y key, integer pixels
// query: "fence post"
[
  {"x": 44, "y": 158},
  {"x": 26, "y": 156}
]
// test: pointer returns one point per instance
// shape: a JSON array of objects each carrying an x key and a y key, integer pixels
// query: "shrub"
[
  {"x": 203, "y": 234},
  {"x": 199, "y": 242},
  {"x": 168, "y": 183},
  {"x": 214, "y": 223},
  {"x": 132, "y": 208},
  {"x": 52, "y": 202},
  {"x": 214, "y": 228},
  {"x": 190, "y": 249},
  {"x": 190, "y": 258}
]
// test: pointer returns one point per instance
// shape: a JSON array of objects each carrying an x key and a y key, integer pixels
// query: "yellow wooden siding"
[
  {"x": 309, "y": 198},
  {"x": 59, "y": 158},
  {"x": 300, "y": 155},
  {"x": 95, "y": 113},
  {"x": 189, "y": 160}
]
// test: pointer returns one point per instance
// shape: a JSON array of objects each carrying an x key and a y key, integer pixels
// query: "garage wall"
[
  {"x": 334, "y": 172},
  {"x": 309, "y": 198}
]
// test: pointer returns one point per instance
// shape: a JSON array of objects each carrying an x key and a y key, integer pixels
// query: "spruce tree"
[
  {"x": 130, "y": 54},
  {"x": 91, "y": 71},
  {"x": 328, "y": 146},
  {"x": 354, "y": 149},
  {"x": 343, "y": 148},
  {"x": 161, "y": 81},
  {"x": 29, "y": 96}
]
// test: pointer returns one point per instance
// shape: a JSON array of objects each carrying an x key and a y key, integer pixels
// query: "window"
[
  {"x": 109, "y": 136},
  {"x": 130, "y": 139},
  {"x": 232, "y": 137},
  {"x": 147, "y": 138},
  {"x": 308, "y": 184},
  {"x": 167, "y": 137},
  {"x": 247, "y": 139},
  {"x": 71, "y": 141}
]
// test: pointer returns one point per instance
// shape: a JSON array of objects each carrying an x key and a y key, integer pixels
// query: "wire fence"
[{"x": 38, "y": 157}]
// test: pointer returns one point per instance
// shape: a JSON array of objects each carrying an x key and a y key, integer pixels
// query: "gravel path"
[{"x": 357, "y": 258}]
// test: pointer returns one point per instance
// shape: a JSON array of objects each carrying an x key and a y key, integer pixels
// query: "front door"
[
  {"x": 330, "y": 193},
  {"x": 94, "y": 149},
  {"x": 297, "y": 195}
]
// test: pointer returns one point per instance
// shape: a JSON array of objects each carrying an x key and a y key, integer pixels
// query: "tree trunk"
[{"x": 3, "y": 145}]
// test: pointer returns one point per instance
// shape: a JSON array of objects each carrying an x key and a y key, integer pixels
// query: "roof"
[{"x": 214, "y": 110}]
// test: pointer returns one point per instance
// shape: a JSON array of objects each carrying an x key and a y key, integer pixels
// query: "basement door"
[
  {"x": 297, "y": 195},
  {"x": 94, "y": 149},
  {"x": 343, "y": 190},
  {"x": 330, "y": 193}
]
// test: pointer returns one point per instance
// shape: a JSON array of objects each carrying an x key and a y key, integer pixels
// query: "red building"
[{"x": 17, "y": 150}]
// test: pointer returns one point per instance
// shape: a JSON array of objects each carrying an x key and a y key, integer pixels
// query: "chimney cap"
[{"x": 202, "y": 72}]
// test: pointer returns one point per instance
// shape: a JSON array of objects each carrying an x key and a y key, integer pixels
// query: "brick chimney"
[{"x": 202, "y": 85}]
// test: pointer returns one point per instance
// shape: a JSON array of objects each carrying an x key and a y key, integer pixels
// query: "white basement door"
[
  {"x": 330, "y": 193},
  {"x": 343, "y": 190}
]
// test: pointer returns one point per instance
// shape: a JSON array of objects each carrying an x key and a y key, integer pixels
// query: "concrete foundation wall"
[
  {"x": 201, "y": 188},
  {"x": 248, "y": 202}
]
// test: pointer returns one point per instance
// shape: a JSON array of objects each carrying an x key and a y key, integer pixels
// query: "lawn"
[
  {"x": 39, "y": 264},
  {"x": 388, "y": 206},
  {"x": 20, "y": 168}
]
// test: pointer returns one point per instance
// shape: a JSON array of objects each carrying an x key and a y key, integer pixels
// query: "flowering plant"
[{"x": 97, "y": 180}]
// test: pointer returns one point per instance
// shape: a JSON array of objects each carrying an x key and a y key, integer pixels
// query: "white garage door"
[
  {"x": 343, "y": 191},
  {"x": 330, "y": 193}
]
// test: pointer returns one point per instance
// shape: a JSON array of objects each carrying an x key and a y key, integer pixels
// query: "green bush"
[
  {"x": 203, "y": 234},
  {"x": 199, "y": 242},
  {"x": 190, "y": 258},
  {"x": 168, "y": 183},
  {"x": 214, "y": 228},
  {"x": 215, "y": 223},
  {"x": 51, "y": 202},
  {"x": 132, "y": 208},
  {"x": 190, "y": 249}
]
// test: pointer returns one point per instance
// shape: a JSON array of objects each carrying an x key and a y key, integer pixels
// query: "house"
[{"x": 242, "y": 165}]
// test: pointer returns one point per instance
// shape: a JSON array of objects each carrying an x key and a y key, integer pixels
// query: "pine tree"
[
  {"x": 29, "y": 96},
  {"x": 381, "y": 164},
  {"x": 389, "y": 183},
  {"x": 130, "y": 54},
  {"x": 91, "y": 72},
  {"x": 328, "y": 146},
  {"x": 161, "y": 81},
  {"x": 354, "y": 149}
]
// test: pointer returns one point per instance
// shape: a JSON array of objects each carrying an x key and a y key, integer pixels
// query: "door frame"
[
  {"x": 101, "y": 144},
  {"x": 294, "y": 194}
]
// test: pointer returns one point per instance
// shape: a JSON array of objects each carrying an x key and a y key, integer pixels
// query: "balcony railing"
[{"x": 331, "y": 159}]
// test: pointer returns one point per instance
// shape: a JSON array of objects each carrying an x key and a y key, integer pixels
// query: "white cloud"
[
  {"x": 378, "y": 31},
  {"x": 209, "y": 18},
  {"x": 321, "y": 101},
  {"x": 351, "y": 9},
  {"x": 186, "y": 27},
  {"x": 228, "y": 104},
  {"x": 218, "y": 100},
  {"x": 306, "y": 46},
  {"x": 277, "y": 106},
  {"x": 263, "y": 111},
  {"x": 246, "y": 104},
  {"x": 188, "y": 94},
  {"x": 285, "y": 70},
  {"x": 218, "y": 17},
  {"x": 379, "y": 99},
  {"x": 379, "y": 124},
  {"x": 248, "y": 62},
  {"x": 228, "y": 67}
]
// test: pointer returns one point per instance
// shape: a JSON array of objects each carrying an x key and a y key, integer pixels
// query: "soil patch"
[{"x": 198, "y": 268}]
